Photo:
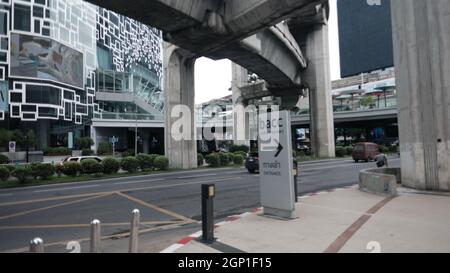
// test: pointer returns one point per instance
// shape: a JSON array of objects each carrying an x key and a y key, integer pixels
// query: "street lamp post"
[{"x": 135, "y": 131}]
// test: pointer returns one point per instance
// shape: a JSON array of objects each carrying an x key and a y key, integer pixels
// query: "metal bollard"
[
  {"x": 37, "y": 245},
  {"x": 95, "y": 236},
  {"x": 134, "y": 231},
  {"x": 208, "y": 193}
]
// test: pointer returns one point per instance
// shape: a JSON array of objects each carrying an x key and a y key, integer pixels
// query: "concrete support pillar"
[
  {"x": 43, "y": 134},
  {"x": 239, "y": 78},
  {"x": 422, "y": 62},
  {"x": 145, "y": 136},
  {"x": 94, "y": 146},
  {"x": 318, "y": 80},
  {"x": 180, "y": 134}
]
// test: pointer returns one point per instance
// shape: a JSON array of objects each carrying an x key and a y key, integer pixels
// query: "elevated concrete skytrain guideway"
[
  {"x": 255, "y": 34},
  {"x": 285, "y": 42}
]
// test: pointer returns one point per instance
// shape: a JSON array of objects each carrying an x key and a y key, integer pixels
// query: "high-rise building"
[
  {"x": 69, "y": 69},
  {"x": 365, "y": 36}
]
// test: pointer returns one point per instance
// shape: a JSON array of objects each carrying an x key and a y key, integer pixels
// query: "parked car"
[
  {"x": 79, "y": 159},
  {"x": 365, "y": 151}
]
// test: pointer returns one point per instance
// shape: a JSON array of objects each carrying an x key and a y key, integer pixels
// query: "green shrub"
[
  {"x": 161, "y": 163},
  {"x": 110, "y": 165},
  {"x": 238, "y": 159},
  {"x": 349, "y": 150},
  {"x": 4, "y": 173},
  {"x": 241, "y": 153},
  {"x": 91, "y": 166},
  {"x": 340, "y": 151},
  {"x": 239, "y": 148},
  {"x": 393, "y": 149},
  {"x": 130, "y": 164},
  {"x": 44, "y": 171},
  {"x": 71, "y": 168},
  {"x": 58, "y": 151},
  {"x": 145, "y": 161},
  {"x": 104, "y": 148},
  {"x": 224, "y": 159},
  {"x": 128, "y": 153},
  {"x": 383, "y": 149},
  {"x": 200, "y": 160},
  {"x": 87, "y": 152},
  {"x": 84, "y": 143},
  {"x": 58, "y": 169},
  {"x": 22, "y": 174},
  {"x": 11, "y": 168},
  {"x": 213, "y": 160},
  {"x": 4, "y": 159}
]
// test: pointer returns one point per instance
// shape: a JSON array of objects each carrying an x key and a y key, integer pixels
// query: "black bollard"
[{"x": 208, "y": 193}]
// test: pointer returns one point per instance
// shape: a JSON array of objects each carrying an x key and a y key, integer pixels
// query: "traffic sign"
[
  {"x": 276, "y": 164},
  {"x": 12, "y": 146},
  {"x": 113, "y": 139}
]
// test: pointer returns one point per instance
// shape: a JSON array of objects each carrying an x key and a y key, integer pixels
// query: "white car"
[{"x": 81, "y": 158}]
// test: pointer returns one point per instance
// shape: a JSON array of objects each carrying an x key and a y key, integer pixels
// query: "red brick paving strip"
[{"x": 339, "y": 243}]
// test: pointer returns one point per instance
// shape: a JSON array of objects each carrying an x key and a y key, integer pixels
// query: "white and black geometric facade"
[{"x": 51, "y": 52}]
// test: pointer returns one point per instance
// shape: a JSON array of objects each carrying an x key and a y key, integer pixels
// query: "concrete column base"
[{"x": 179, "y": 90}]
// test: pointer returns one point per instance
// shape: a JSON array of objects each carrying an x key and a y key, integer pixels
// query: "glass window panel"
[
  {"x": 38, "y": 12},
  {"x": 3, "y": 23},
  {"x": 22, "y": 17}
]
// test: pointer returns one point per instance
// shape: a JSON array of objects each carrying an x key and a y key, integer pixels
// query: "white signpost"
[
  {"x": 113, "y": 140},
  {"x": 276, "y": 165}
]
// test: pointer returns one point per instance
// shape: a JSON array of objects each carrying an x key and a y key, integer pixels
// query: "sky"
[{"x": 213, "y": 78}]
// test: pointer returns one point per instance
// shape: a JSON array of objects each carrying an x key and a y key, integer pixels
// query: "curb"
[{"x": 233, "y": 218}]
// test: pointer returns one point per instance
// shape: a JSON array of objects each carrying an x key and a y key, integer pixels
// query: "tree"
[
  {"x": 5, "y": 137},
  {"x": 18, "y": 137},
  {"x": 31, "y": 138}
]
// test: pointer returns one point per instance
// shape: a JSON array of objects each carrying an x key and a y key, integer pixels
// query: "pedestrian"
[{"x": 382, "y": 161}]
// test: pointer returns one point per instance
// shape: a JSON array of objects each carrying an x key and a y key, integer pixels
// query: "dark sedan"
[{"x": 252, "y": 163}]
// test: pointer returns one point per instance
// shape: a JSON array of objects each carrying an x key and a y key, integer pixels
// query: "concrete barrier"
[{"x": 381, "y": 181}]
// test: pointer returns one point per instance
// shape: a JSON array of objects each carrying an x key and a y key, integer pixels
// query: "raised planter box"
[{"x": 381, "y": 181}]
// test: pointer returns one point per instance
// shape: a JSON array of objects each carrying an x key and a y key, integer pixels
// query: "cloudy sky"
[{"x": 213, "y": 78}]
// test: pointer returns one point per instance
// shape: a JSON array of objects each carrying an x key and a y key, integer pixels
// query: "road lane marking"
[
  {"x": 85, "y": 225},
  {"x": 161, "y": 210},
  {"x": 111, "y": 192},
  {"x": 340, "y": 242},
  {"x": 69, "y": 188},
  {"x": 50, "y": 207},
  {"x": 139, "y": 181},
  {"x": 196, "y": 176}
]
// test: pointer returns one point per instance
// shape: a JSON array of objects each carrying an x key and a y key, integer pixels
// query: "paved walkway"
[{"x": 341, "y": 220}]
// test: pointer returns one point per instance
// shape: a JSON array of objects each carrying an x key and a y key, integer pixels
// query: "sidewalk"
[{"x": 341, "y": 220}]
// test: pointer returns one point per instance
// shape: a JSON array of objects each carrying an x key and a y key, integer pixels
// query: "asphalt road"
[{"x": 170, "y": 205}]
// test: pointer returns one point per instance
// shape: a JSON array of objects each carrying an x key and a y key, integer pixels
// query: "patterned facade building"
[{"x": 55, "y": 55}]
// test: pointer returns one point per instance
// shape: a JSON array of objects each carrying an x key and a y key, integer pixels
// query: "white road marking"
[
  {"x": 70, "y": 188},
  {"x": 172, "y": 248},
  {"x": 196, "y": 176},
  {"x": 139, "y": 181},
  {"x": 5, "y": 194}
]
